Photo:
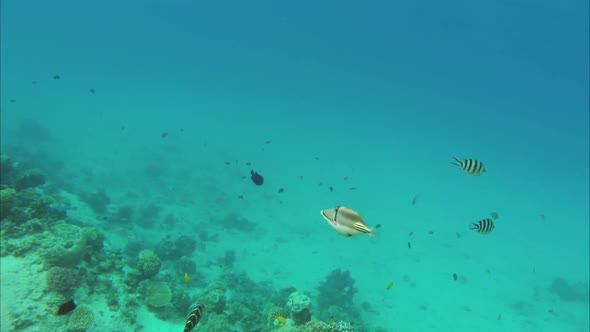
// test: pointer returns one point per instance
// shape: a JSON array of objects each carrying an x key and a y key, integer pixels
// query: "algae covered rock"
[{"x": 299, "y": 306}]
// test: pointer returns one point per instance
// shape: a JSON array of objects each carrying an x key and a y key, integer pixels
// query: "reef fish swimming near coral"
[
  {"x": 193, "y": 318},
  {"x": 66, "y": 307},
  {"x": 346, "y": 221}
]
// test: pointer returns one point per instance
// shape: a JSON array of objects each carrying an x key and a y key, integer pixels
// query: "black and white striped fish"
[
  {"x": 483, "y": 226},
  {"x": 193, "y": 318},
  {"x": 470, "y": 166}
]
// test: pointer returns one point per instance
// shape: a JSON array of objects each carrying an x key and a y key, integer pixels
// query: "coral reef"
[
  {"x": 299, "y": 306},
  {"x": 148, "y": 264},
  {"x": 62, "y": 279},
  {"x": 214, "y": 323},
  {"x": 29, "y": 179},
  {"x": 214, "y": 297},
  {"x": 156, "y": 294},
  {"x": 336, "y": 290},
  {"x": 7, "y": 197},
  {"x": 81, "y": 319}
]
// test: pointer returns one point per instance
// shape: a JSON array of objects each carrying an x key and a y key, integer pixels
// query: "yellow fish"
[
  {"x": 346, "y": 221},
  {"x": 389, "y": 286},
  {"x": 281, "y": 319},
  {"x": 187, "y": 279}
]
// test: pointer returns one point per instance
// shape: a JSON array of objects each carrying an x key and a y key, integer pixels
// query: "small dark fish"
[
  {"x": 56, "y": 77},
  {"x": 91, "y": 91},
  {"x": 409, "y": 245},
  {"x": 455, "y": 276},
  {"x": 193, "y": 318},
  {"x": 248, "y": 163},
  {"x": 320, "y": 184},
  {"x": 268, "y": 142},
  {"x": 182, "y": 130},
  {"x": 281, "y": 190},
  {"x": 494, "y": 215},
  {"x": 12, "y": 100},
  {"x": 227, "y": 163},
  {"x": 256, "y": 178},
  {"x": 378, "y": 226},
  {"x": 164, "y": 135},
  {"x": 331, "y": 188},
  {"x": 430, "y": 232},
  {"x": 458, "y": 235},
  {"x": 123, "y": 127},
  {"x": 411, "y": 233},
  {"x": 241, "y": 197},
  {"x": 415, "y": 199},
  {"x": 542, "y": 216},
  {"x": 34, "y": 82},
  {"x": 352, "y": 188},
  {"x": 483, "y": 226},
  {"x": 66, "y": 307},
  {"x": 345, "y": 178},
  {"x": 317, "y": 158},
  {"x": 470, "y": 166}
]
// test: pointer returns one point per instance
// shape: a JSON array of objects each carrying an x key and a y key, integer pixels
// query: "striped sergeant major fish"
[
  {"x": 346, "y": 221},
  {"x": 483, "y": 226},
  {"x": 470, "y": 166},
  {"x": 193, "y": 318}
]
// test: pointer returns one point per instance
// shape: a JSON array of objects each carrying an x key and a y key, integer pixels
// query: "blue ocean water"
[{"x": 162, "y": 109}]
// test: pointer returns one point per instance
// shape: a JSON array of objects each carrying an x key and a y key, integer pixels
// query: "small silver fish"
[
  {"x": 483, "y": 226},
  {"x": 470, "y": 166},
  {"x": 346, "y": 221}
]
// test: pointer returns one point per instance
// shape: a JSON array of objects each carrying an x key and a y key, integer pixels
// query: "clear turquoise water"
[{"x": 384, "y": 94}]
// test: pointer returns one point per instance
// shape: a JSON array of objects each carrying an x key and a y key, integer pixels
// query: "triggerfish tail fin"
[{"x": 193, "y": 318}]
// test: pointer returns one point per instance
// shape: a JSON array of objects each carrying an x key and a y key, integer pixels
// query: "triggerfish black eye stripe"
[
  {"x": 483, "y": 226},
  {"x": 470, "y": 166},
  {"x": 193, "y": 318}
]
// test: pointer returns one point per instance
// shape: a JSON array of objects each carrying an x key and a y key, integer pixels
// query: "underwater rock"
[{"x": 299, "y": 306}]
